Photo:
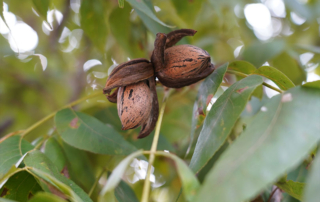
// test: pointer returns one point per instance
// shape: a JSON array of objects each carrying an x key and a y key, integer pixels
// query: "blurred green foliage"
[{"x": 80, "y": 41}]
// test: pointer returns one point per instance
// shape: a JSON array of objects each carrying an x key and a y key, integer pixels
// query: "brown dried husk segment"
[
  {"x": 184, "y": 65},
  {"x": 128, "y": 73},
  {"x": 134, "y": 104}
]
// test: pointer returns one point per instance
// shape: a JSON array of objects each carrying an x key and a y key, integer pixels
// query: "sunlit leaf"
[
  {"x": 93, "y": 23},
  {"x": 142, "y": 6},
  {"x": 208, "y": 87},
  {"x": 290, "y": 67},
  {"x": 294, "y": 189},
  {"x": 121, "y": 3},
  {"x": 44, "y": 196},
  {"x": 276, "y": 76},
  {"x": 124, "y": 193},
  {"x": 10, "y": 153},
  {"x": 262, "y": 154},
  {"x": 259, "y": 53},
  {"x": 314, "y": 84},
  {"x": 117, "y": 174},
  {"x": 87, "y": 133},
  {"x": 42, "y": 167},
  {"x": 221, "y": 119},
  {"x": 311, "y": 192},
  {"x": 20, "y": 187}
]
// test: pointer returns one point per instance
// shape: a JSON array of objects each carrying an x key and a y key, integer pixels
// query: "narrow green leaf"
[
  {"x": 187, "y": 10},
  {"x": 190, "y": 183},
  {"x": 262, "y": 154},
  {"x": 311, "y": 192},
  {"x": 124, "y": 193},
  {"x": 314, "y": 84},
  {"x": 276, "y": 76},
  {"x": 294, "y": 189},
  {"x": 44, "y": 196},
  {"x": 93, "y": 23},
  {"x": 10, "y": 153},
  {"x": 87, "y": 133},
  {"x": 221, "y": 119},
  {"x": 42, "y": 7},
  {"x": 258, "y": 53},
  {"x": 45, "y": 169},
  {"x": 143, "y": 7},
  {"x": 290, "y": 67},
  {"x": 55, "y": 153},
  {"x": 121, "y": 3},
  {"x": 117, "y": 174},
  {"x": 20, "y": 187},
  {"x": 242, "y": 66},
  {"x": 208, "y": 87}
]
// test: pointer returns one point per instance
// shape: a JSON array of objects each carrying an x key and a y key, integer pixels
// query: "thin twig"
[
  {"x": 272, "y": 193},
  {"x": 245, "y": 75},
  {"x": 146, "y": 186}
]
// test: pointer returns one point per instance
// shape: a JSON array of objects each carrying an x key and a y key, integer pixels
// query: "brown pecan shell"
[
  {"x": 184, "y": 65},
  {"x": 134, "y": 103}
]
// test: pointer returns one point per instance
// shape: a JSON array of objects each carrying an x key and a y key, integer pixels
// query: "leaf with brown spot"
[{"x": 74, "y": 123}]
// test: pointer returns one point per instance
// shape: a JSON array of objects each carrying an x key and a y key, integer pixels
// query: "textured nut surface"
[
  {"x": 134, "y": 103},
  {"x": 184, "y": 65}
]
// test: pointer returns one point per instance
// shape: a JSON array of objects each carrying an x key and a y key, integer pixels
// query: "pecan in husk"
[{"x": 174, "y": 66}]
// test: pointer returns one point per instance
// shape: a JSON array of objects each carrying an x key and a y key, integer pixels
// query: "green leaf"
[
  {"x": 87, "y": 133},
  {"x": 294, "y": 189},
  {"x": 124, "y": 193},
  {"x": 54, "y": 152},
  {"x": 143, "y": 7},
  {"x": 188, "y": 10},
  {"x": 44, "y": 196},
  {"x": 221, "y": 119},
  {"x": 301, "y": 9},
  {"x": 121, "y": 3},
  {"x": 122, "y": 28},
  {"x": 10, "y": 153},
  {"x": 290, "y": 67},
  {"x": 117, "y": 174},
  {"x": 258, "y": 53},
  {"x": 20, "y": 187},
  {"x": 42, "y": 7},
  {"x": 274, "y": 142},
  {"x": 311, "y": 192},
  {"x": 209, "y": 86},
  {"x": 93, "y": 23},
  {"x": 246, "y": 68},
  {"x": 276, "y": 76},
  {"x": 313, "y": 84},
  {"x": 242, "y": 66},
  {"x": 145, "y": 143},
  {"x": 7, "y": 200},
  {"x": 42, "y": 167},
  {"x": 190, "y": 183}
]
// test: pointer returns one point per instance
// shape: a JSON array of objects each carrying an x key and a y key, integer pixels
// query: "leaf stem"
[
  {"x": 146, "y": 186},
  {"x": 25, "y": 132},
  {"x": 245, "y": 75}
]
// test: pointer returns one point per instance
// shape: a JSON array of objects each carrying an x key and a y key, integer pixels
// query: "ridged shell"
[{"x": 134, "y": 104}]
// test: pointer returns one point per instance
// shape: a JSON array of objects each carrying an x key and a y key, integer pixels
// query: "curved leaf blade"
[
  {"x": 87, "y": 133},
  {"x": 44, "y": 196},
  {"x": 124, "y": 193},
  {"x": 276, "y": 76},
  {"x": 242, "y": 66},
  {"x": 42, "y": 7},
  {"x": 262, "y": 154},
  {"x": 221, "y": 119},
  {"x": 292, "y": 188},
  {"x": 311, "y": 192}
]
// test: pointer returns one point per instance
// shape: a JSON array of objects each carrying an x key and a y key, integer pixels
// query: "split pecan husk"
[{"x": 174, "y": 66}]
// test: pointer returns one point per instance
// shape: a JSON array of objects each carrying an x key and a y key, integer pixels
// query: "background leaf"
[
  {"x": 87, "y": 133},
  {"x": 43, "y": 196},
  {"x": 221, "y": 119},
  {"x": 42, "y": 7},
  {"x": 294, "y": 189},
  {"x": 311, "y": 192},
  {"x": 93, "y": 23},
  {"x": 121, "y": 3},
  {"x": 124, "y": 193},
  {"x": 54, "y": 152},
  {"x": 261, "y": 154}
]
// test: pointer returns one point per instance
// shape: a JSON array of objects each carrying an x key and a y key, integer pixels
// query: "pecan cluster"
[{"x": 174, "y": 66}]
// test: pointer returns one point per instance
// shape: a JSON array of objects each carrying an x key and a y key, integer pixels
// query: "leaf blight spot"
[
  {"x": 242, "y": 89},
  {"x": 74, "y": 123}
]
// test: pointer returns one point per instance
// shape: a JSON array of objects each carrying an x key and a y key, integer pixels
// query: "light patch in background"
[
  {"x": 259, "y": 17},
  {"x": 269, "y": 92},
  {"x": 296, "y": 19},
  {"x": 91, "y": 63},
  {"x": 157, "y": 9},
  {"x": 75, "y": 5},
  {"x": 10, "y": 19},
  {"x": 306, "y": 57},
  {"x": 312, "y": 77},
  {"x": 43, "y": 61},
  {"x": 237, "y": 50},
  {"x": 276, "y": 7},
  {"x": 112, "y": 66},
  {"x": 22, "y": 38},
  {"x": 74, "y": 37},
  {"x": 52, "y": 15}
]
